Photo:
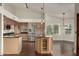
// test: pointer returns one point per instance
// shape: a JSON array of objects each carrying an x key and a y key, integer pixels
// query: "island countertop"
[{"x": 11, "y": 36}]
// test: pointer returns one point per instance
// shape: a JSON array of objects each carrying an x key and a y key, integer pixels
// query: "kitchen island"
[
  {"x": 43, "y": 46},
  {"x": 12, "y": 44}
]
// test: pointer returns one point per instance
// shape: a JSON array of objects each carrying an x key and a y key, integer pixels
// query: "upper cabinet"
[
  {"x": 10, "y": 26},
  {"x": 23, "y": 26}
]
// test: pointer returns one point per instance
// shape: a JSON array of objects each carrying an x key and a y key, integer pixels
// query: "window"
[
  {"x": 49, "y": 30},
  {"x": 68, "y": 29},
  {"x": 56, "y": 29},
  {"x": 52, "y": 29}
]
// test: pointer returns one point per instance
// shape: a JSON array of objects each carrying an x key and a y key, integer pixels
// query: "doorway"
[
  {"x": 35, "y": 29},
  {"x": 77, "y": 51},
  {"x": 31, "y": 32}
]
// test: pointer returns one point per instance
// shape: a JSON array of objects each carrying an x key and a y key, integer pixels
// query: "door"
[{"x": 78, "y": 34}]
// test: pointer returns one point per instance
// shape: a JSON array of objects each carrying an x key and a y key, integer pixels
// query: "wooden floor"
[{"x": 28, "y": 49}]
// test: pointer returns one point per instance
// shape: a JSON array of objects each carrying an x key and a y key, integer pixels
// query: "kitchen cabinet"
[
  {"x": 43, "y": 45},
  {"x": 24, "y": 36},
  {"x": 23, "y": 26},
  {"x": 11, "y": 26},
  {"x": 39, "y": 29},
  {"x": 12, "y": 44}
]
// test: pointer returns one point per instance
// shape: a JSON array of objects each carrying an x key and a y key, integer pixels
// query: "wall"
[
  {"x": 0, "y": 34},
  {"x": 23, "y": 26},
  {"x": 51, "y": 20},
  {"x": 76, "y": 11}
]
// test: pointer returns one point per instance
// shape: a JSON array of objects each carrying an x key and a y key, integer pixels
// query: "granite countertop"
[{"x": 11, "y": 36}]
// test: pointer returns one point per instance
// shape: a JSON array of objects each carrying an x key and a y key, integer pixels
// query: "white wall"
[
  {"x": 0, "y": 30},
  {"x": 76, "y": 11},
  {"x": 0, "y": 34},
  {"x": 0, "y": 9},
  {"x": 56, "y": 20}
]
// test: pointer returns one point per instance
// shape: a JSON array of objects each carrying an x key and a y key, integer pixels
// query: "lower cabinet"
[
  {"x": 24, "y": 36},
  {"x": 12, "y": 45},
  {"x": 43, "y": 45}
]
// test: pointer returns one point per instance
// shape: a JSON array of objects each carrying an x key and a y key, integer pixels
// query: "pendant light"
[
  {"x": 43, "y": 19},
  {"x": 63, "y": 17},
  {"x": 42, "y": 15},
  {"x": 63, "y": 24}
]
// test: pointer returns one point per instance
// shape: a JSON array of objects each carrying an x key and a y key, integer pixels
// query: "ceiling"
[{"x": 50, "y": 8}]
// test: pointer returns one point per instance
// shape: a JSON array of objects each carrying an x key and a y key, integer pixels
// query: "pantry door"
[{"x": 78, "y": 34}]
